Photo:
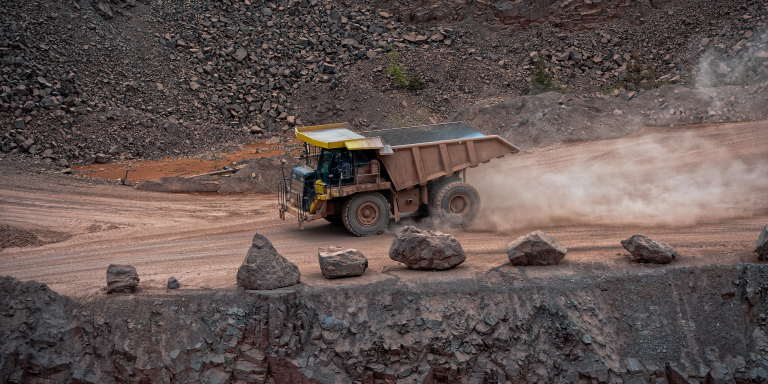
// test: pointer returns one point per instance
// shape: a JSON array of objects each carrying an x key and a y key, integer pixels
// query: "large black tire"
[
  {"x": 366, "y": 214},
  {"x": 435, "y": 185},
  {"x": 454, "y": 203}
]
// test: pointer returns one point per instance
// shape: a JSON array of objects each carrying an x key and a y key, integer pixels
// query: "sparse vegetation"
[
  {"x": 641, "y": 74},
  {"x": 543, "y": 80},
  {"x": 415, "y": 82},
  {"x": 402, "y": 119}
]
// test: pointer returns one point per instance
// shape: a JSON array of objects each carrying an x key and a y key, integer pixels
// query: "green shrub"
[
  {"x": 398, "y": 75},
  {"x": 641, "y": 74},
  {"x": 543, "y": 81},
  {"x": 416, "y": 82}
]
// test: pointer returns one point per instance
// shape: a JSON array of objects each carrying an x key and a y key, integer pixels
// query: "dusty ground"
[{"x": 202, "y": 239}]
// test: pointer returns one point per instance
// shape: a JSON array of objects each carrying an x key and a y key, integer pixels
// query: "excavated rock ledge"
[{"x": 672, "y": 325}]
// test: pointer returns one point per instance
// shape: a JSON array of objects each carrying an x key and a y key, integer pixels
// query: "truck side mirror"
[{"x": 346, "y": 171}]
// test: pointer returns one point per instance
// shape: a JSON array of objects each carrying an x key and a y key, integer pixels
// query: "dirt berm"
[{"x": 669, "y": 325}]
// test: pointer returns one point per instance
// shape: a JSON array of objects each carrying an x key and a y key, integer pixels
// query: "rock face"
[
  {"x": 341, "y": 262},
  {"x": 761, "y": 248},
  {"x": 645, "y": 250},
  {"x": 121, "y": 278},
  {"x": 536, "y": 248},
  {"x": 264, "y": 268},
  {"x": 426, "y": 249}
]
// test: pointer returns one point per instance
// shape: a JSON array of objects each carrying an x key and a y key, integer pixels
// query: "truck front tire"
[
  {"x": 366, "y": 214},
  {"x": 455, "y": 203}
]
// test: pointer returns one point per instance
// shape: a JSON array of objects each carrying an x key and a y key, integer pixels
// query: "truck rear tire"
[
  {"x": 455, "y": 203},
  {"x": 366, "y": 214}
]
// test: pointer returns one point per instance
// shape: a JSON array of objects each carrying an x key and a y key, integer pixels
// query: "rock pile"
[
  {"x": 761, "y": 247},
  {"x": 121, "y": 278},
  {"x": 264, "y": 268},
  {"x": 645, "y": 250},
  {"x": 204, "y": 73},
  {"x": 422, "y": 249},
  {"x": 536, "y": 248},
  {"x": 338, "y": 262}
]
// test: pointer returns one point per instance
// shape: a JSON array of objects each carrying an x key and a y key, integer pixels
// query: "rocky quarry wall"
[
  {"x": 669, "y": 325},
  {"x": 520, "y": 13}
]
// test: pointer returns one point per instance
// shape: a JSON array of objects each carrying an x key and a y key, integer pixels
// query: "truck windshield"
[
  {"x": 324, "y": 164},
  {"x": 330, "y": 162}
]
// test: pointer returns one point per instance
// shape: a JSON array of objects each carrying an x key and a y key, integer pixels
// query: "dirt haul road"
[{"x": 700, "y": 189}]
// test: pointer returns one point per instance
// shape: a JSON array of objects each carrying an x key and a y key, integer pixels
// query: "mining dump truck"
[{"x": 364, "y": 179}]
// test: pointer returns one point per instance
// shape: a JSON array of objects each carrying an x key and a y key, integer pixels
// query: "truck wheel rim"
[
  {"x": 368, "y": 214},
  {"x": 459, "y": 204}
]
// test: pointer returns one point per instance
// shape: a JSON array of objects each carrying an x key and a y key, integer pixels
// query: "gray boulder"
[
  {"x": 761, "y": 248},
  {"x": 264, "y": 268},
  {"x": 173, "y": 283},
  {"x": 426, "y": 249},
  {"x": 341, "y": 262},
  {"x": 645, "y": 250},
  {"x": 121, "y": 278},
  {"x": 536, "y": 248}
]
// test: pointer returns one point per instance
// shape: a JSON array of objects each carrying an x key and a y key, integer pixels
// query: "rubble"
[
  {"x": 206, "y": 73},
  {"x": 338, "y": 262},
  {"x": 761, "y": 247},
  {"x": 388, "y": 331},
  {"x": 264, "y": 268},
  {"x": 121, "y": 278},
  {"x": 423, "y": 249},
  {"x": 536, "y": 248},
  {"x": 645, "y": 250}
]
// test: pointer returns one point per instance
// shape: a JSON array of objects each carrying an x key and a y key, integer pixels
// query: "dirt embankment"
[
  {"x": 553, "y": 118},
  {"x": 679, "y": 325}
]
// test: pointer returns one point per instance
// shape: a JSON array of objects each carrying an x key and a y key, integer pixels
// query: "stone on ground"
[
  {"x": 121, "y": 278},
  {"x": 341, "y": 262},
  {"x": 536, "y": 248},
  {"x": 264, "y": 268},
  {"x": 761, "y": 247},
  {"x": 426, "y": 249},
  {"x": 645, "y": 250},
  {"x": 173, "y": 283}
]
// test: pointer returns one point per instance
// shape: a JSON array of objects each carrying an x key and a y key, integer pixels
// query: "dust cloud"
[
  {"x": 652, "y": 180},
  {"x": 744, "y": 66}
]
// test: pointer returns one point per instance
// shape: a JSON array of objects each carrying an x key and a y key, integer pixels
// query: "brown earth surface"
[
  {"x": 138, "y": 171},
  {"x": 719, "y": 172}
]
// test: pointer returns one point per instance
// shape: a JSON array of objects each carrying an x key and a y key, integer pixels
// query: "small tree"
[
  {"x": 543, "y": 81},
  {"x": 398, "y": 75},
  {"x": 641, "y": 74}
]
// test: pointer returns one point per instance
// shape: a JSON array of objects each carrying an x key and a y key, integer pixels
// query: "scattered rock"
[
  {"x": 341, "y": 262},
  {"x": 761, "y": 247},
  {"x": 645, "y": 250},
  {"x": 173, "y": 283},
  {"x": 426, "y": 249},
  {"x": 264, "y": 268},
  {"x": 121, "y": 278},
  {"x": 536, "y": 248}
]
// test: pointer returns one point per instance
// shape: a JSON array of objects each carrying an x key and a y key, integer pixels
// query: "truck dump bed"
[{"x": 427, "y": 152}]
